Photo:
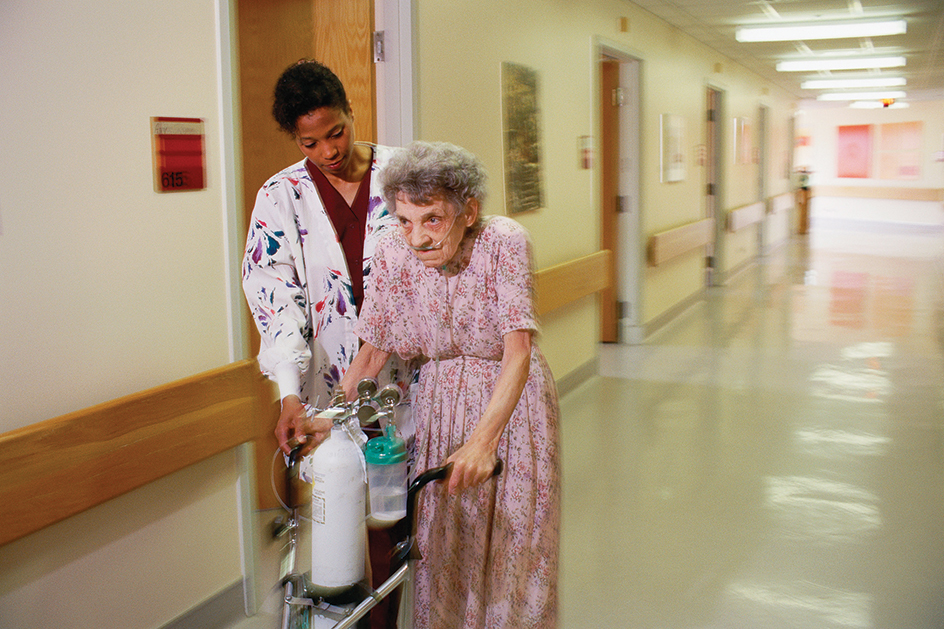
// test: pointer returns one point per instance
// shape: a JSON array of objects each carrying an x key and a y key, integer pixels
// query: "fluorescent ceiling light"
[
  {"x": 840, "y": 63},
  {"x": 838, "y": 84},
  {"x": 819, "y": 30},
  {"x": 860, "y": 95},
  {"x": 874, "y": 104}
]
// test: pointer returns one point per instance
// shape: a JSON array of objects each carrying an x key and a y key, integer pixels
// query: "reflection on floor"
[{"x": 774, "y": 458}]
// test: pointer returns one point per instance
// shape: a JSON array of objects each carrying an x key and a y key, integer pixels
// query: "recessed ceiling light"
[
  {"x": 819, "y": 30},
  {"x": 861, "y": 95},
  {"x": 838, "y": 84},
  {"x": 840, "y": 63}
]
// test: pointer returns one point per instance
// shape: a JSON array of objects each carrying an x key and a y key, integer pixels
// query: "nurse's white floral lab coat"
[{"x": 298, "y": 286}]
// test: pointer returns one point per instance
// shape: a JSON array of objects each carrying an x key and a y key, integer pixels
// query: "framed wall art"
[
  {"x": 524, "y": 178},
  {"x": 899, "y": 152},
  {"x": 671, "y": 154},
  {"x": 743, "y": 141},
  {"x": 854, "y": 151}
]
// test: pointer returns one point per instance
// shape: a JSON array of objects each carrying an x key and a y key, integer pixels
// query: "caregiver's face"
[
  {"x": 434, "y": 231},
  {"x": 326, "y": 137}
]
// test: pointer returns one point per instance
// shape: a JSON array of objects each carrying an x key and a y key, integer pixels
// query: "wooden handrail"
[
  {"x": 60, "y": 467},
  {"x": 57, "y": 468},
  {"x": 881, "y": 192},
  {"x": 782, "y": 202},
  {"x": 746, "y": 215},
  {"x": 564, "y": 283},
  {"x": 672, "y": 243}
]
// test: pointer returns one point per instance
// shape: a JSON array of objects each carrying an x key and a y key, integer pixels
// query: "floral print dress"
[{"x": 491, "y": 552}]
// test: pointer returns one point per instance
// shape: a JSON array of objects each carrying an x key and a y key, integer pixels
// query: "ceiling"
[{"x": 713, "y": 22}]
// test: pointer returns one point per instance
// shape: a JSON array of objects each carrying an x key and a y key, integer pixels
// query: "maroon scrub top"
[{"x": 349, "y": 224}]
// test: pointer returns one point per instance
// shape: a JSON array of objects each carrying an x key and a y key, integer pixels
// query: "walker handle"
[
  {"x": 440, "y": 473},
  {"x": 430, "y": 475},
  {"x": 291, "y": 476}
]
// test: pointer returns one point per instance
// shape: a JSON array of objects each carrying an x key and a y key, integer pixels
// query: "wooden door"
[
  {"x": 609, "y": 188},
  {"x": 272, "y": 35}
]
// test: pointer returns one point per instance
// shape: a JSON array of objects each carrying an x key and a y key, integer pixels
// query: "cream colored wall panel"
[
  {"x": 571, "y": 330},
  {"x": 741, "y": 247},
  {"x": 137, "y": 561},
  {"x": 99, "y": 268},
  {"x": 111, "y": 288},
  {"x": 673, "y": 282}
]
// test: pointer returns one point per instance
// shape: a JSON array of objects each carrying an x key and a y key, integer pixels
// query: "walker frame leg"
[{"x": 299, "y": 611}]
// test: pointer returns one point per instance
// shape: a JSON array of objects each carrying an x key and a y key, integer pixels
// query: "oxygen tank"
[{"x": 338, "y": 513}]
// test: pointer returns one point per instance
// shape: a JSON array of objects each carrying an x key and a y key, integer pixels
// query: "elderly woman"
[{"x": 454, "y": 289}]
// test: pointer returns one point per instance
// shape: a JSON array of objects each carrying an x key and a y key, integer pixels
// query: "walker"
[{"x": 302, "y": 606}]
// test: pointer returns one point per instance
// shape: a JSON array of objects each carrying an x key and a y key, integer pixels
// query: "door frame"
[
  {"x": 237, "y": 317},
  {"x": 395, "y": 75},
  {"x": 763, "y": 137},
  {"x": 714, "y": 172},
  {"x": 629, "y": 258}
]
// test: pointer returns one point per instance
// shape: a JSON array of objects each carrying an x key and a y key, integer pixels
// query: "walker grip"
[
  {"x": 291, "y": 477},
  {"x": 430, "y": 475},
  {"x": 440, "y": 473}
]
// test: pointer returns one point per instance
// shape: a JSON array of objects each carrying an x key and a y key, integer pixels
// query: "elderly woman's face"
[{"x": 434, "y": 231}]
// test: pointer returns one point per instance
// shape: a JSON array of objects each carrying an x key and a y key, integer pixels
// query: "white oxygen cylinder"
[{"x": 338, "y": 514}]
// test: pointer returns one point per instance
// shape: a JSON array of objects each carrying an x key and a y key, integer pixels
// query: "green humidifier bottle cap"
[{"x": 386, "y": 450}]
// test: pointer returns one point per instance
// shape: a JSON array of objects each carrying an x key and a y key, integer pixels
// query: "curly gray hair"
[{"x": 427, "y": 171}]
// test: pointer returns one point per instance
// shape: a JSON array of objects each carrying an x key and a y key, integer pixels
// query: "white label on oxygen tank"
[
  {"x": 318, "y": 509},
  {"x": 318, "y": 498}
]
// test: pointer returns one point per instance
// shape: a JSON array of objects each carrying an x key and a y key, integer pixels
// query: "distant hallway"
[{"x": 774, "y": 458}]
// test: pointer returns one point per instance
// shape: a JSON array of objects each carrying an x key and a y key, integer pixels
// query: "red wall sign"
[{"x": 179, "y": 158}]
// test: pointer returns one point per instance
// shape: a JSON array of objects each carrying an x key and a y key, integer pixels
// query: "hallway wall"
[
  {"x": 917, "y": 201},
  {"x": 111, "y": 288},
  {"x": 461, "y": 46},
  {"x": 105, "y": 273},
  {"x": 821, "y": 124}
]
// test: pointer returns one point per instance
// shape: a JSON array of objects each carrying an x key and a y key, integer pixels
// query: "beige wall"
[
  {"x": 138, "y": 561},
  {"x": 823, "y": 122},
  {"x": 108, "y": 289},
  {"x": 461, "y": 47}
]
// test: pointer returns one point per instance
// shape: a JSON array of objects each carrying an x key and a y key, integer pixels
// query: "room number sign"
[{"x": 179, "y": 157}]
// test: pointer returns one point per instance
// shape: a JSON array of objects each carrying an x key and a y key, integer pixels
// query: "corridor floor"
[{"x": 774, "y": 459}]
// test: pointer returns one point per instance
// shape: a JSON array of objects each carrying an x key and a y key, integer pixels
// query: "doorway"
[
  {"x": 619, "y": 104},
  {"x": 761, "y": 162},
  {"x": 335, "y": 32},
  {"x": 713, "y": 162}
]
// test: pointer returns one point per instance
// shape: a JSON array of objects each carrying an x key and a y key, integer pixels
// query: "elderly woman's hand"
[{"x": 472, "y": 465}]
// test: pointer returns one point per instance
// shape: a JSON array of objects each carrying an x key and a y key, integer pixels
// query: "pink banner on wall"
[{"x": 854, "y": 151}]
